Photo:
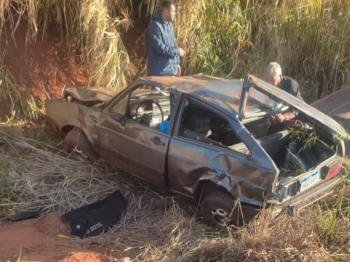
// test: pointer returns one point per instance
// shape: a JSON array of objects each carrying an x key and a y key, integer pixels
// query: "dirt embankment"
[
  {"x": 46, "y": 239},
  {"x": 43, "y": 67}
]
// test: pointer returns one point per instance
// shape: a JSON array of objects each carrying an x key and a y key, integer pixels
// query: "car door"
[
  {"x": 206, "y": 145},
  {"x": 128, "y": 144}
]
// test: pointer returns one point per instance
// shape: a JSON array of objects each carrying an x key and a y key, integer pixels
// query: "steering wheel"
[{"x": 152, "y": 102}]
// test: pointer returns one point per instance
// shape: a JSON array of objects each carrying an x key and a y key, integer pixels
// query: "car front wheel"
[
  {"x": 221, "y": 210},
  {"x": 76, "y": 141}
]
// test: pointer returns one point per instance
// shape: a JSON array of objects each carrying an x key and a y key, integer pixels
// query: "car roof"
[
  {"x": 190, "y": 84},
  {"x": 207, "y": 88}
]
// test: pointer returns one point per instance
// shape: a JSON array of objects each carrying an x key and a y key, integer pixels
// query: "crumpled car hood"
[{"x": 89, "y": 93}]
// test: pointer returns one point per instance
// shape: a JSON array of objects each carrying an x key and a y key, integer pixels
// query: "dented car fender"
[
  {"x": 64, "y": 115},
  {"x": 223, "y": 181}
]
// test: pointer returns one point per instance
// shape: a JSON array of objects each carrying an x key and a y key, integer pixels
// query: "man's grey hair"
[{"x": 274, "y": 67}]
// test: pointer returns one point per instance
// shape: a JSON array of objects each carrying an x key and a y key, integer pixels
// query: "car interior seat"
[
  {"x": 274, "y": 143},
  {"x": 199, "y": 124},
  {"x": 197, "y": 128},
  {"x": 146, "y": 119}
]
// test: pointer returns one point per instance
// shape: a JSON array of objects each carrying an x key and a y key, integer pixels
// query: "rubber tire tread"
[{"x": 222, "y": 200}]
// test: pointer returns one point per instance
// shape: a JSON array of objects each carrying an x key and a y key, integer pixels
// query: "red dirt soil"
[
  {"x": 43, "y": 68},
  {"x": 38, "y": 240}
]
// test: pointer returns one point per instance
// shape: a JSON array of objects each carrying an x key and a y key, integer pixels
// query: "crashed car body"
[{"x": 208, "y": 138}]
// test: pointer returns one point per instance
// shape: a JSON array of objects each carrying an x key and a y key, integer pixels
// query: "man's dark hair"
[{"x": 167, "y": 4}]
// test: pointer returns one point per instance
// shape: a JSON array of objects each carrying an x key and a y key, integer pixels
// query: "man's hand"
[
  {"x": 178, "y": 70},
  {"x": 277, "y": 118},
  {"x": 181, "y": 52}
]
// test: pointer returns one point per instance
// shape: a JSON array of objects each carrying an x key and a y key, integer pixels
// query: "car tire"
[
  {"x": 221, "y": 210},
  {"x": 76, "y": 140}
]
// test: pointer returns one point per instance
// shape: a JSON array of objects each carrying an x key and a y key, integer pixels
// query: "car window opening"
[
  {"x": 150, "y": 106},
  {"x": 204, "y": 125}
]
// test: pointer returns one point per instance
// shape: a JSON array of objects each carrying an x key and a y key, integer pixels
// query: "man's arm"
[
  {"x": 158, "y": 45},
  {"x": 280, "y": 117}
]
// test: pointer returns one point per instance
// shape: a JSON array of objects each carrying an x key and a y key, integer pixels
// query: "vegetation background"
[{"x": 228, "y": 38}]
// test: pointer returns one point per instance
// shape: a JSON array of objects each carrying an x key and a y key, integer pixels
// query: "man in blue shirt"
[{"x": 163, "y": 53}]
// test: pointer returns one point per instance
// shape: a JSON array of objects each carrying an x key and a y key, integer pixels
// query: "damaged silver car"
[{"x": 208, "y": 138}]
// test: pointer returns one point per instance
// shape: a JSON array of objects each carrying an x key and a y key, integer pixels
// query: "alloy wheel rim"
[{"x": 220, "y": 216}]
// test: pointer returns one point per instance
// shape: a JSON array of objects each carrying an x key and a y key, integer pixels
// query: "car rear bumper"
[{"x": 315, "y": 193}]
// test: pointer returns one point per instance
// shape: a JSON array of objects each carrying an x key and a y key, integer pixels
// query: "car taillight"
[{"x": 333, "y": 171}]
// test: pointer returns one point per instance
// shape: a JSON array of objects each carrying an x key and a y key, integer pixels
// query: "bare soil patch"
[
  {"x": 42, "y": 240},
  {"x": 43, "y": 67}
]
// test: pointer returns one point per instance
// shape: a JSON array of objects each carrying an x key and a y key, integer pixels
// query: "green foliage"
[
  {"x": 92, "y": 27},
  {"x": 334, "y": 216},
  {"x": 231, "y": 38},
  {"x": 13, "y": 98},
  {"x": 7, "y": 193},
  {"x": 304, "y": 137},
  {"x": 226, "y": 38},
  {"x": 327, "y": 226}
]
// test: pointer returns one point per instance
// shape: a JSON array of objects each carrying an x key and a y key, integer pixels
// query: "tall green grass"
[
  {"x": 93, "y": 28},
  {"x": 228, "y": 38},
  {"x": 14, "y": 99},
  {"x": 309, "y": 38}
]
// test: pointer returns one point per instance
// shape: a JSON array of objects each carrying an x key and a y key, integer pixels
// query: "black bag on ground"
[{"x": 92, "y": 219}]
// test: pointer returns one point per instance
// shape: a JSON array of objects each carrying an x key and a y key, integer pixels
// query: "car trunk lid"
[{"x": 326, "y": 123}]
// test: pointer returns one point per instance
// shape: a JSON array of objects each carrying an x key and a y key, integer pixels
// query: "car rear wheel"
[
  {"x": 221, "y": 210},
  {"x": 76, "y": 141}
]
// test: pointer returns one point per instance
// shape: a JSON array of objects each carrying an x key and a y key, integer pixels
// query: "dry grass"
[
  {"x": 159, "y": 227},
  {"x": 91, "y": 29}
]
